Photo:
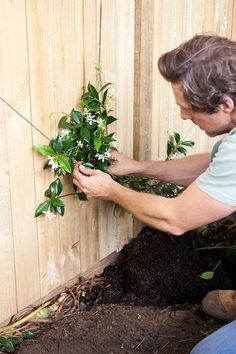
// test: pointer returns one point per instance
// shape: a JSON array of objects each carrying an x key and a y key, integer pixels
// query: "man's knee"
[{"x": 222, "y": 341}]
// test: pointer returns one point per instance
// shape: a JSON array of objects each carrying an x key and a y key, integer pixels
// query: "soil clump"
[{"x": 161, "y": 270}]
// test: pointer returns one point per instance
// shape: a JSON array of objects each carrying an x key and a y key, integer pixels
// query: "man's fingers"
[
  {"x": 77, "y": 163},
  {"x": 86, "y": 171}
]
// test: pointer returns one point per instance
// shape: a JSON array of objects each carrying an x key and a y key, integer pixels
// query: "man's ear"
[{"x": 228, "y": 105}]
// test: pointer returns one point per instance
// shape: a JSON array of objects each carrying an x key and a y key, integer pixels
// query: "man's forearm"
[
  {"x": 191, "y": 209},
  {"x": 181, "y": 171},
  {"x": 153, "y": 210}
]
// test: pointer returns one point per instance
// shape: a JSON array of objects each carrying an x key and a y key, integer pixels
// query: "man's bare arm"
[
  {"x": 181, "y": 171},
  {"x": 191, "y": 209}
]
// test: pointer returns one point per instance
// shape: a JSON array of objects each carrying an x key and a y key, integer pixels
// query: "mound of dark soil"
[
  {"x": 126, "y": 314},
  {"x": 161, "y": 269}
]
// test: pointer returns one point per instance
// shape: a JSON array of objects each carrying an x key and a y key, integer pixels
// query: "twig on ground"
[
  {"x": 140, "y": 343},
  {"x": 165, "y": 345},
  {"x": 211, "y": 248}
]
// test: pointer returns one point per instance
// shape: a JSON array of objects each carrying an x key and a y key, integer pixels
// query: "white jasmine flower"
[
  {"x": 79, "y": 143},
  {"x": 64, "y": 132},
  {"x": 90, "y": 118},
  {"x": 107, "y": 154},
  {"x": 49, "y": 214},
  {"x": 100, "y": 157},
  {"x": 101, "y": 123},
  {"x": 104, "y": 156},
  {"x": 51, "y": 162}
]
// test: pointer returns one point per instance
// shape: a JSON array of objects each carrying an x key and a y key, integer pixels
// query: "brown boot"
[{"x": 220, "y": 304}]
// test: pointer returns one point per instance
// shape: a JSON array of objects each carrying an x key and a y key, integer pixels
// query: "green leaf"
[
  {"x": 98, "y": 69},
  {"x": 92, "y": 90},
  {"x": 61, "y": 210},
  {"x": 105, "y": 96},
  {"x": 63, "y": 124},
  {"x": 48, "y": 193},
  {"x": 88, "y": 165},
  {"x": 177, "y": 137},
  {"x": 188, "y": 143},
  {"x": 169, "y": 148},
  {"x": 43, "y": 313},
  {"x": 8, "y": 346},
  {"x": 29, "y": 334},
  {"x": 56, "y": 202},
  {"x": 91, "y": 103},
  {"x": 108, "y": 139},
  {"x": 102, "y": 166},
  {"x": 65, "y": 163},
  {"x": 85, "y": 134},
  {"x": 94, "y": 106},
  {"x": 207, "y": 275},
  {"x": 45, "y": 150},
  {"x": 97, "y": 143},
  {"x": 67, "y": 142},
  {"x": 56, "y": 144},
  {"x": 182, "y": 150},
  {"x": 87, "y": 100},
  {"x": 105, "y": 86},
  {"x": 42, "y": 207},
  {"x": 82, "y": 196},
  {"x": 3, "y": 340},
  {"x": 111, "y": 119},
  {"x": 77, "y": 116},
  {"x": 15, "y": 340},
  {"x": 55, "y": 187}
]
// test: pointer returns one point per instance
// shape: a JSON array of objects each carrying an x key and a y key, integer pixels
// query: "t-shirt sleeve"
[{"x": 219, "y": 180}]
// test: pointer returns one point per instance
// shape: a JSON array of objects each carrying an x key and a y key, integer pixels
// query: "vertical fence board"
[
  {"x": 54, "y": 88},
  {"x": 8, "y": 301},
  {"x": 143, "y": 71},
  {"x": 88, "y": 211},
  {"x": 15, "y": 80},
  {"x": 115, "y": 225}
]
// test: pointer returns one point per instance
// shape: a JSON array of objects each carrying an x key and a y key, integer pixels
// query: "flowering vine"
[{"x": 83, "y": 136}]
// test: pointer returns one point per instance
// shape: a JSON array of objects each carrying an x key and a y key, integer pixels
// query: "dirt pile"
[{"x": 160, "y": 269}]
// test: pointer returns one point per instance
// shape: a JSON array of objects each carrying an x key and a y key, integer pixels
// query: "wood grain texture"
[
  {"x": 168, "y": 23},
  {"x": 15, "y": 84},
  {"x": 56, "y": 81}
]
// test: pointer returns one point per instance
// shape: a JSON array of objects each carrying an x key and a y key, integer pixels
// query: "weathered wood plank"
[
  {"x": 56, "y": 80},
  {"x": 15, "y": 82}
]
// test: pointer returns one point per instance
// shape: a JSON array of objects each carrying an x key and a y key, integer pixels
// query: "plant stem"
[
  {"x": 66, "y": 195},
  {"x": 217, "y": 265},
  {"x": 211, "y": 248}
]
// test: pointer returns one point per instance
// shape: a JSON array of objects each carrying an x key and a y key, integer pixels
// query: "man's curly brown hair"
[{"x": 206, "y": 67}]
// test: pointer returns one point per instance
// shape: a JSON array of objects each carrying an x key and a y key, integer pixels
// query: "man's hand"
[
  {"x": 94, "y": 183},
  {"x": 123, "y": 166}
]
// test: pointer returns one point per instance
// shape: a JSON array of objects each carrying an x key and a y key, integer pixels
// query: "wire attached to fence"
[{"x": 25, "y": 118}]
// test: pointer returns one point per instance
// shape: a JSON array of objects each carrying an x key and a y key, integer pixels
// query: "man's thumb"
[{"x": 86, "y": 171}]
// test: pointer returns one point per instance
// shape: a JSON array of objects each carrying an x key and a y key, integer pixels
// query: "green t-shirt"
[{"x": 219, "y": 180}]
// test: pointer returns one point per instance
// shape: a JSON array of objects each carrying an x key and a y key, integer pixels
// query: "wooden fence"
[{"x": 49, "y": 49}]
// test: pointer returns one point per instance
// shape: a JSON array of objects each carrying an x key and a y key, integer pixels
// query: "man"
[{"x": 202, "y": 73}]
